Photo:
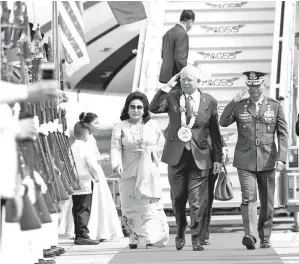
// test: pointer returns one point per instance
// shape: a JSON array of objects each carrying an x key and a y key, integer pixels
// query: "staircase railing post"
[{"x": 275, "y": 49}]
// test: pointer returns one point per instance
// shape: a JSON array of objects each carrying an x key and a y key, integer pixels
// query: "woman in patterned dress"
[{"x": 136, "y": 148}]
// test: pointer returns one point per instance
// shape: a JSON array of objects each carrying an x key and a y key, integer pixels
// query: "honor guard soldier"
[{"x": 256, "y": 155}]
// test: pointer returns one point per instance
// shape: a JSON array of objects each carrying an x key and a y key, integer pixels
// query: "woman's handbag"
[{"x": 224, "y": 188}]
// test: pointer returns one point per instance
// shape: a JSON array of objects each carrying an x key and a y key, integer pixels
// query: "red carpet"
[{"x": 225, "y": 248}]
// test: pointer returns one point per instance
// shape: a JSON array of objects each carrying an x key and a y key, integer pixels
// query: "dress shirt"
[
  {"x": 258, "y": 104},
  {"x": 182, "y": 26},
  {"x": 166, "y": 88},
  {"x": 193, "y": 100},
  {"x": 87, "y": 166}
]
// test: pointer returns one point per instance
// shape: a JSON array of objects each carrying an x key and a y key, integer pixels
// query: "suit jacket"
[
  {"x": 206, "y": 124},
  {"x": 175, "y": 50},
  {"x": 256, "y": 148}
]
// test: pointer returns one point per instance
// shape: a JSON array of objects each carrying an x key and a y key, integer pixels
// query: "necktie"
[
  {"x": 189, "y": 106},
  {"x": 257, "y": 108},
  {"x": 189, "y": 111}
]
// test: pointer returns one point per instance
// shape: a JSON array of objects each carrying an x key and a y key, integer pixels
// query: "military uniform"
[{"x": 255, "y": 157}]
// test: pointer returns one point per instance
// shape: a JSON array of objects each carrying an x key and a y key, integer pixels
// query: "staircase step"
[
  {"x": 200, "y": 42},
  {"x": 229, "y": 29},
  {"x": 198, "y": 6},
  {"x": 243, "y": 16},
  {"x": 210, "y": 55}
]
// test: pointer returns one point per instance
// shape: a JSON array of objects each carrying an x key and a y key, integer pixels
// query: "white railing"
[
  {"x": 283, "y": 58},
  {"x": 149, "y": 49},
  {"x": 276, "y": 51},
  {"x": 114, "y": 189}
]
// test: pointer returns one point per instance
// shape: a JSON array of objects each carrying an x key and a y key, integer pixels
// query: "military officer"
[{"x": 256, "y": 157}]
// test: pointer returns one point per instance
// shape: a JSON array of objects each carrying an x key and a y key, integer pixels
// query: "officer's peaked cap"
[{"x": 254, "y": 77}]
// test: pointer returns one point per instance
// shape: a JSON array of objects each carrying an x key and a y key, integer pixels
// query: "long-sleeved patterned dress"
[{"x": 137, "y": 148}]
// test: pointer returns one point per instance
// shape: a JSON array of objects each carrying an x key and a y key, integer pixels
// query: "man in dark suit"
[
  {"x": 256, "y": 157},
  {"x": 193, "y": 115},
  {"x": 175, "y": 47}
]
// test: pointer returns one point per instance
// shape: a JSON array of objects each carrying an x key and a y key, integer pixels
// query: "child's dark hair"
[
  {"x": 87, "y": 117},
  {"x": 80, "y": 131}
]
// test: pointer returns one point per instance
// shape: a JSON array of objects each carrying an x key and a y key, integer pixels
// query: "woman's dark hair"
[
  {"x": 87, "y": 117},
  {"x": 136, "y": 96},
  {"x": 80, "y": 130}
]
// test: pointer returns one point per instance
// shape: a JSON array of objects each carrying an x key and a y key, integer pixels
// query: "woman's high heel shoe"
[
  {"x": 133, "y": 246},
  {"x": 133, "y": 241}
]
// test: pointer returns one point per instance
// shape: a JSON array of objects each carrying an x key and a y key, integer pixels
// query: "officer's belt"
[{"x": 256, "y": 142}]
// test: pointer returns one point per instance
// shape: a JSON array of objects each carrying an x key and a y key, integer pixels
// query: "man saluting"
[
  {"x": 256, "y": 157},
  {"x": 193, "y": 116}
]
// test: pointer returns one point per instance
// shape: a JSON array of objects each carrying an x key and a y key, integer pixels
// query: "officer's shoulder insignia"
[{"x": 273, "y": 100}]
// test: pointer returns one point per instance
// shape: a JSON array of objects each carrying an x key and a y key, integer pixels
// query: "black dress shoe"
[
  {"x": 86, "y": 241},
  {"x": 44, "y": 261},
  {"x": 133, "y": 246},
  {"x": 249, "y": 242},
  {"x": 265, "y": 244},
  {"x": 59, "y": 249},
  {"x": 197, "y": 247},
  {"x": 180, "y": 243},
  {"x": 149, "y": 245},
  {"x": 196, "y": 244},
  {"x": 49, "y": 253}
]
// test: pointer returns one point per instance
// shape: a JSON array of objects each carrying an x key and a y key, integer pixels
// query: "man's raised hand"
[
  {"x": 240, "y": 95},
  {"x": 173, "y": 81}
]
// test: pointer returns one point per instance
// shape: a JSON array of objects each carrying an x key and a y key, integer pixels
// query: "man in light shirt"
[
  {"x": 256, "y": 157},
  {"x": 88, "y": 169},
  {"x": 193, "y": 116}
]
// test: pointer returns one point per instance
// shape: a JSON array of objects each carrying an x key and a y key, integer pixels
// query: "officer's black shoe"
[
  {"x": 265, "y": 244},
  {"x": 180, "y": 242},
  {"x": 249, "y": 242},
  {"x": 86, "y": 241}
]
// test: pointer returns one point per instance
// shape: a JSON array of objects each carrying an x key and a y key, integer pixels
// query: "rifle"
[
  {"x": 30, "y": 147},
  {"x": 6, "y": 26},
  {"x": 55, "y": 184},
  {"x": 42, "y": 164},
  {"x": 29, "y": 219},
  {"x": 61, "y": 115},
  {"x": 62, "y": 143}
]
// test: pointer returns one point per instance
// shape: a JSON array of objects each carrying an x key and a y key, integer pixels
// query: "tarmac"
[{"x": 225, "y": 248}]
